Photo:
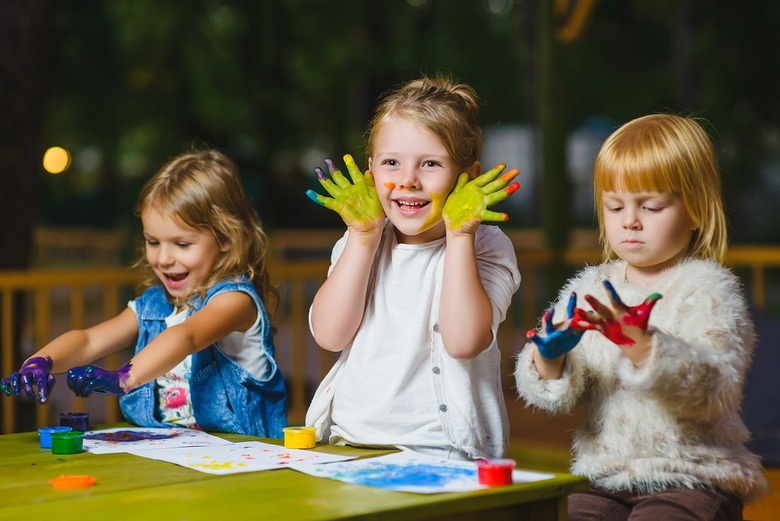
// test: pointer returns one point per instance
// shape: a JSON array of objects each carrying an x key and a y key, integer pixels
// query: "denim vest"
[{"x": 225, "y": 396}]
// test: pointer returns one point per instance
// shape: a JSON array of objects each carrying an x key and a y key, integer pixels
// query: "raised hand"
[
  {"x": 622, "y": 324},
  {"x": 468, "y": 204},
  {"x": 357, "y": 202},
  {"x": 34, "y": 372},
  {"x": 88, "y": 379},
  {"x": 557, "y": 340}
]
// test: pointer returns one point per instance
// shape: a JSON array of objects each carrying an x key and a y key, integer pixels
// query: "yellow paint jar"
[{"x": 299, "y": 437}]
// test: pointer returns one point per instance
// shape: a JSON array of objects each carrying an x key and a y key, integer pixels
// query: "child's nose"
[
  {"x": 409, "y": 179},
  {"x": 166, "y": 256}
]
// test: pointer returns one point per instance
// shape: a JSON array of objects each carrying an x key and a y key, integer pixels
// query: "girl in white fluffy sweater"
[{"x": 664, "y": 438}]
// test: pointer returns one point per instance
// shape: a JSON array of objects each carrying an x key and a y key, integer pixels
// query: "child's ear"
[
  {"x": 369, "y": 163},
  {"x": 474, "y": 170}
]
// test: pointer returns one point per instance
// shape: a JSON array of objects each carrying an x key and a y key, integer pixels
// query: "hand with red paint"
[
  {"x": 35, "y": 372},
  {"x": 467, "y": 205},
  {"x": 559, "y": 339},
  {"x": 624, "y": 325},
  {"x": 356, "y": 202},
  {"x": 88, "y": 379}
]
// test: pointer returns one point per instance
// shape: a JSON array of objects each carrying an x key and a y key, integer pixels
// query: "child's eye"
[
  {"x": 390, "y": 162},
  {"x": 653, "y": 209},
  {"x": 431, "y": 163},
  {"x": 183, "y": 244},
  {"x": 614, "y": 209},
  {"x": 151, "y": 242}
]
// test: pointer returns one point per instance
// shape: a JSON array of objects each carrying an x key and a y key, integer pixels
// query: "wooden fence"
[{"x": 54, "y": 301}]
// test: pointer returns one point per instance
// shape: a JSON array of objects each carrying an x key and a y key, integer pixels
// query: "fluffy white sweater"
[{"x": 676, "y": 421}]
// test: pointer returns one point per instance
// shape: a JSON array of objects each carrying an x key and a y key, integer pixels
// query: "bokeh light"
[{"x": 56, "y": 160}]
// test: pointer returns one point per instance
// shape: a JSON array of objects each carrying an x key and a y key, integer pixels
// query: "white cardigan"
[{"x": 676, "y": 421}]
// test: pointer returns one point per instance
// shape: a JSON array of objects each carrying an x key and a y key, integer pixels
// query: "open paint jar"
[
  {"x": 299, "y": 437},
  {"x": 44, "y": 433},
  {"x": 493, "y": 472},
  {"x": 70, "y": 442},
  {"x": 79, "y": 421}
]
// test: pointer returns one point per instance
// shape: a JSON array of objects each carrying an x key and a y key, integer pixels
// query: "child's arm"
[
  {"x": 75, "y": 347},
  {"x": 465, "y": 310},
  {"x": 337, "y": 309},
  {"x": 224, "y": 314}
]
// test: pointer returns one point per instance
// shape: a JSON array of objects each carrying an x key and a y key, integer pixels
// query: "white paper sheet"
[
  {"x": 408, "y": 471},
  {"x": 238, "y": 457},
  {"x": 137, "y": 438}
]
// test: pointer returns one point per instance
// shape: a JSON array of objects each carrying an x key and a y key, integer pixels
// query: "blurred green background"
[{"x": 281, "y": 84}]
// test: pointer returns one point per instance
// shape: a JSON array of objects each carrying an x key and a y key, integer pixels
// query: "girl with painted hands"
[
  {"x": 204, "y": 352},
  {"x": 417, "y": 285},
  {"x": 662, "y": 378}
]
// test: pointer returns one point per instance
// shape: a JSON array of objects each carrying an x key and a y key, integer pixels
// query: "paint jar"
[
  {"x": 299, "y": 437},
  {"x": 494, "y": 472},
  {"x": 44, "y": 433},
  {"x": 79, "y": 421},
  {"x": 70, "y": 442}
]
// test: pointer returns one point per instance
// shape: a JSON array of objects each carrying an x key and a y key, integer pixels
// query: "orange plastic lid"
[{"x": 67, "y": 482}]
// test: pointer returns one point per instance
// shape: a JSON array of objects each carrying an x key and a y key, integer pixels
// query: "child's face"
[
  {"x": 180, "y": 256},
  {"x": 651, "y": 231},
  {"x": 414, "y": 174}
]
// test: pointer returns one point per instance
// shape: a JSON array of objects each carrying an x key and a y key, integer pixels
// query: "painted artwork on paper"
[
  {"x": 238, "y": 457},
  {"x": 407, "y": 471},
  {"x": 140, "y": 438}
]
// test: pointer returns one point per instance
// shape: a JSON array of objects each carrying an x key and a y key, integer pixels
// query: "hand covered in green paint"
[
  {"x": 467, "y": 205},
  {"x": 357, "y": 202}
]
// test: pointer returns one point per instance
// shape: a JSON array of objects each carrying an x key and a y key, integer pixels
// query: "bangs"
[{"x": 635, "y": 169}]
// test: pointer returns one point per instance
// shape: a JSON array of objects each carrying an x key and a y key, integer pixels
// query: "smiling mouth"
[
  {"x": 176, "y": 277},
  {"x": 411, "y": 205}
]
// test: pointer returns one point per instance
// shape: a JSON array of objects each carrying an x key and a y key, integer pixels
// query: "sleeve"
[
  {"x": 701, "y": 353},
  {"x": 498, "y": 270}
]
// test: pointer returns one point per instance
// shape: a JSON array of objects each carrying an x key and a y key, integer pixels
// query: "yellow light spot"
[{"x": 56, "y": 160}]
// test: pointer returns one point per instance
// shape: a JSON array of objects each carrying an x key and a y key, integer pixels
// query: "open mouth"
[
  {"x": 176, "y": 277},
  {"x": 411, "y": 205}
]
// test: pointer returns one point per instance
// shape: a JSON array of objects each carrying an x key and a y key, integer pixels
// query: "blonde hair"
[
  {"x": 671, "y": 154},
  {"x": 203, "y": 189},
  {"x": 446, "y": 109}
]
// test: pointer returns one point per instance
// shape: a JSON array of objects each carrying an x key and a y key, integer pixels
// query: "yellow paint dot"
[{"x": 56, "y": 160}]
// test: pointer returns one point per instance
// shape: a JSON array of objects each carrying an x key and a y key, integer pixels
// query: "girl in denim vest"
[{"x": 204, "y": 352}]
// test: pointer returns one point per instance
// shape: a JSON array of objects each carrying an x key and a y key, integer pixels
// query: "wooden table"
[{"x": 131, "y": 487}]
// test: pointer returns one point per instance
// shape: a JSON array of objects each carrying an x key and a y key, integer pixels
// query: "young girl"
[
  {"x": 417, "y": 286},
  {"x": 204, "y": 352},
  {"x": 664, "y": 438}
]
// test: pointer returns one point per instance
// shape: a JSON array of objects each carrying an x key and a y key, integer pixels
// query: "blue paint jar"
[{"x": 45, "y": 434}]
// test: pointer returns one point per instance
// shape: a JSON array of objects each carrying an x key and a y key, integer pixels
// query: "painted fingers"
[
  {"x": 468, "y": 204},
  {"x": 34, "y": 378},
  {"x": 354, "y": 199}
]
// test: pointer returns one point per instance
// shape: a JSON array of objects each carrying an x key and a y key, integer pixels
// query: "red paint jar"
[{"x": 494, "y": 472}]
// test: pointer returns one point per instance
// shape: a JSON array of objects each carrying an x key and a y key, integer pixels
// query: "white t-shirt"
[{"x": 396, "y": 385}]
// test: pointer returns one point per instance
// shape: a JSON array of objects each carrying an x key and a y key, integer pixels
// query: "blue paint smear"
[{"x": 417, "y": 475}]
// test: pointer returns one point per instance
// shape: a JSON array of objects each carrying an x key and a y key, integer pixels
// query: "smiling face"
[
  {"x": 414, "y": 174},
  {"x": 181, "y": 257},
  {"x": 651, "y": 231}
]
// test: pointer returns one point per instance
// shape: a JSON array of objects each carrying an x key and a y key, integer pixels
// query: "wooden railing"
[{"x": 37, "y": 305}]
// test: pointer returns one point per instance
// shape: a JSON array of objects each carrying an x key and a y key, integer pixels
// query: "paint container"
[
  {"x": 70, "y": 482},
  {"x": 45, "y": 434},
  {"x": 494, "y": 472},
  {"x": 71, "y": 442},
  {"x": 79, "y": 421},
  {"x": 299, "y": 437}
]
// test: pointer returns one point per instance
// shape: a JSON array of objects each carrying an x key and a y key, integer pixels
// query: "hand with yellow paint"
[
  {"x": 357, "y": 202},
  {"x": 467, "y": 205}
]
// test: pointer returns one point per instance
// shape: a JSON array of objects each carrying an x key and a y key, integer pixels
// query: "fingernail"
[{"x": 320, "y": 173}]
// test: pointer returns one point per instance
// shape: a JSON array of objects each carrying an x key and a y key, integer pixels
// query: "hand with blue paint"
[
  {"x": 88, "y": 379},
  {"x": 356, "y": 202},
  {"x": 467, "y": 206},
  {"x": 558, "y": 340},
  {"x": 35, "y": 372}
]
